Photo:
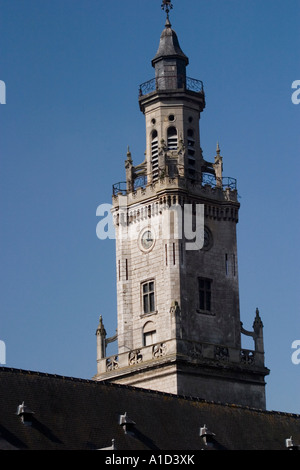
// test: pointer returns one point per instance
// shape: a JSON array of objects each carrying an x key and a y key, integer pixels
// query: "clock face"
[
  {"x": 147, "y": 240},
  {"x": 207, "y": 239}
]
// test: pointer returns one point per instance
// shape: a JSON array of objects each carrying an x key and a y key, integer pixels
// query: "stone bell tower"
[{"x": 179, "y": 328}]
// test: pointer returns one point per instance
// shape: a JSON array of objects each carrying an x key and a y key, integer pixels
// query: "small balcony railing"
[
  {"x": 121, "y": 187},
  {"x": 171, "y": 82},
  {"x": 227, "y": 181},
  {"x": 207, "y": 179}
]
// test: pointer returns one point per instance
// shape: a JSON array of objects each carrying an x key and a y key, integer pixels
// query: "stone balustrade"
[{"x": 190, "y": 351}]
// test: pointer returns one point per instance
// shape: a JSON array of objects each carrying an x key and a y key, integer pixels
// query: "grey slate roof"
[
  {"x": 77, "y": 414},
  {"x": 169, "y": 45}
]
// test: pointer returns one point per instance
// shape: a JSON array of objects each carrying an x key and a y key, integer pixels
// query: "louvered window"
[
  {"x": 154, "y": 155},
  {"x": 191, "y": 153},
  {"x": 172, "y": 138}
]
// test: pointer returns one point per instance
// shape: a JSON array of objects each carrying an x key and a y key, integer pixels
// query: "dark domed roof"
[{"x": 169, "y": 46}]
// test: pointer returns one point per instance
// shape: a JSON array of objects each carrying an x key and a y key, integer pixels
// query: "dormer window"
[
  {"x": 126, "y": 423},
  {"x": 26, "y": 414}
]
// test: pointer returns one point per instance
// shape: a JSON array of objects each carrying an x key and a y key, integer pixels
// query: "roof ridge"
[{"x": 143, "y": 390}]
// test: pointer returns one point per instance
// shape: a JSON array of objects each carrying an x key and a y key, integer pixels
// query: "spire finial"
[{"x": 167, "y": 6}]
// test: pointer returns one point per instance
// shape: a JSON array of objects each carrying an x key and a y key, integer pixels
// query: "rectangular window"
[
  {"x": 205, "y": 294},
  {"x": 149, "y": 338},
  {"x": 148, "y": 297}
]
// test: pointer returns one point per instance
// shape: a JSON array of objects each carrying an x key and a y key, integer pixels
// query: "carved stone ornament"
[
  {"x": 135, "y": 357},
  {"x": 159, "y": 350},
  {"x": 247, "y": 357},
  {"x": 112, "y": 363},
  {"x": 221, "y": 353},
  {"x": 196, "y": 351}
]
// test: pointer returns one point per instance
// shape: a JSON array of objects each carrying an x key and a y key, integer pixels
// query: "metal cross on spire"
[{"x": 167, "y": 6}]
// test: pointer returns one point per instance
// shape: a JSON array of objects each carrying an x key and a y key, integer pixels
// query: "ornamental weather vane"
[{"x": 166, "y": 6}]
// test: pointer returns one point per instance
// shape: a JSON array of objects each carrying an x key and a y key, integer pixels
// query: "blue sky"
[{"x": 72, "y": 69}]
